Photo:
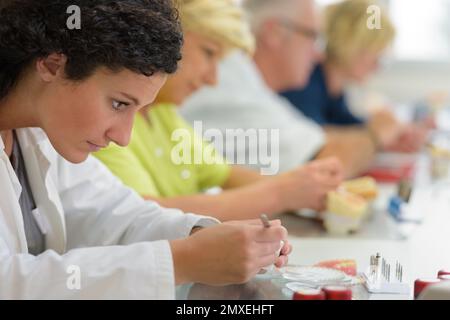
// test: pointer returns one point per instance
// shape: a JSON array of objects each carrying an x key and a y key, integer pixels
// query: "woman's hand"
[
  {"x": 284, "y": 255},
  {"x": 228, "y": 253},
  {"x": 412, "y": 138},
  {"x": 306, "y": 187},
  {"x": 385, "y": 127}
]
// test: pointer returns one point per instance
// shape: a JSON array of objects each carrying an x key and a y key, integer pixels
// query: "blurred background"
[{"x": 417, "y": 66}]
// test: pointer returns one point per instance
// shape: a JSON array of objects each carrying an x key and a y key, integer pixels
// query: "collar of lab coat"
[
  {"x": 36, "y": 151},
  {"x": 10, "y": 194},
  {"x": 15, "y": 182}
]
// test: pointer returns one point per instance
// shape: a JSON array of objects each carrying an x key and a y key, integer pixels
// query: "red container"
[
  {"x": 337, "y": 293},
  {"x": 445, "y": 277},
  {"x": 309, "y": 294},
  {"x": 421, "y": 284},
  {"x": 443, "y": 272}
]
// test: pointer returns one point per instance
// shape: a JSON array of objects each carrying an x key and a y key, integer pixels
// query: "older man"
[{"x": 286, "y": 32}]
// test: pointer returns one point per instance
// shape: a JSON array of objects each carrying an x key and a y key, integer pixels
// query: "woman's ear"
[{"x": 51, "y": 67}]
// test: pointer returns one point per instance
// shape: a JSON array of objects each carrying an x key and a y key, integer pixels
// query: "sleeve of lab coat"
[
  {"x": 117, "y": 244},
  {"x": 101, "y": 211},
  {"x": 139, "y": 271}
]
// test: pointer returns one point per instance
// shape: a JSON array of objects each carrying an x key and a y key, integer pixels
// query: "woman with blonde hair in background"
[
  {"x": 352, "y": 54},
  {"x": 151, "y": 163}
]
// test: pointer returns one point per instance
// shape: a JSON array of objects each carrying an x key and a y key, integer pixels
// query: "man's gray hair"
[{"x": 258, "y": 11}]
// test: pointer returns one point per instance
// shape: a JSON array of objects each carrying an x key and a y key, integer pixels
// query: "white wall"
[
  {"x": 402, "y": 83},
  {"x": 409, "y": 81}
]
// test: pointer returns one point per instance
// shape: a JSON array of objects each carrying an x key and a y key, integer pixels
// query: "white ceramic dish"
[{"x": 313, "y": 275}]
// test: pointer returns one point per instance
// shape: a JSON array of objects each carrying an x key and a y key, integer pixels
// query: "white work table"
[
  {"x": 422, "y": 249},
  {"x": 423, "y": 253}
]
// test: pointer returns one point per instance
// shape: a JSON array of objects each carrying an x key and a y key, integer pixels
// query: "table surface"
[{"x": 422, "y": 249}]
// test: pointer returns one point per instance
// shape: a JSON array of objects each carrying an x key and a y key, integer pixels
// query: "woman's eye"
[
  {"x": 209, "y": 53},
  {"x": 119, "y": 105}
]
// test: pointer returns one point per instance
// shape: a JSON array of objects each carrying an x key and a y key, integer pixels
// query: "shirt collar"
[
  {"x": 2, "y": 145},
  {"x": 15, "y": 154}
]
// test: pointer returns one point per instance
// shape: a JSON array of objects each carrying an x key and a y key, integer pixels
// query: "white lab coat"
[{"x": 117, "y": 240}]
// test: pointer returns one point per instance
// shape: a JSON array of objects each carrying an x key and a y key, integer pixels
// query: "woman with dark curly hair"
[{"x": 68, "y": 228}]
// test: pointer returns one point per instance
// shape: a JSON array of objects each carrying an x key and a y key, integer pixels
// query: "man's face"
[{"x": 297, "y": 53}]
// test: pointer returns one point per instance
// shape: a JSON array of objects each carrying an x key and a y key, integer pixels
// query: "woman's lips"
[
  {"x": 94, "y": 147},
  {"x": 193, "y": 88}
]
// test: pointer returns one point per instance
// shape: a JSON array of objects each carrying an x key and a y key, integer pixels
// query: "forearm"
[
  {"x": 184, "y": 260},
  {"x": 242, "y": 176},
  {"x": 181, "y": 261},
  {"x": 354, "y": 148},
  {"x": 241, "y": 203}
]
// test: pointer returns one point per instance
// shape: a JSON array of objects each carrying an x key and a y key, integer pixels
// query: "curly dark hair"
[{"x": 143, "y": 36}]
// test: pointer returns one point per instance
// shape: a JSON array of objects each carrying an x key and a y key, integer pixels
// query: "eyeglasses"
[
  {"x": 308, "y": 32},
  {"x": 317, "y": 37}
]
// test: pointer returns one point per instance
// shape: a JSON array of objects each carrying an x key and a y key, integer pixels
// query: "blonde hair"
[
  {"x": 347, "y": 33},
  {"x": 221, "y": 20}
]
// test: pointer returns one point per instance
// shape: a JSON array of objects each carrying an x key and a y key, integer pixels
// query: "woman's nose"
[
  {"x": 211, "y": 75},
  {"x": 120, "y": 133}
]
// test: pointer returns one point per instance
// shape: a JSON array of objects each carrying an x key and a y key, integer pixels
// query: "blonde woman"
[
  {"x": 352, "y": 55},
  {"x": 150, "y": 164}
]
